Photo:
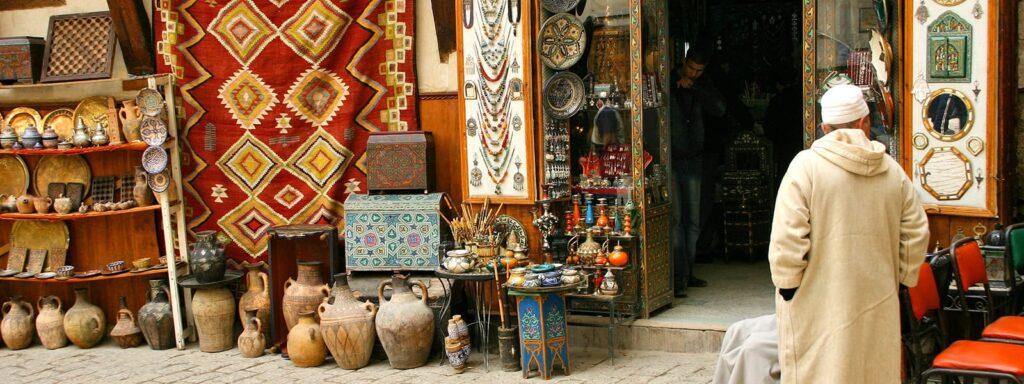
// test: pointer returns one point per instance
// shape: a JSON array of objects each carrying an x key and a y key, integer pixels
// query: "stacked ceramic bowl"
[
  {"x": 66, "y": 271},
  {"x": 115, "y": 266}
]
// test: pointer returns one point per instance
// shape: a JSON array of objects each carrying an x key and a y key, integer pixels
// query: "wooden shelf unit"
[{"x": 114, "y": 235}]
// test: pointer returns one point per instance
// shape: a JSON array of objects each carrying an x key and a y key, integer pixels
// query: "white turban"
[{"x": 843, "y": 104}]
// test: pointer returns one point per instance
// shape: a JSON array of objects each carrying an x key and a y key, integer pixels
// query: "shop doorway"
[{"x": 749, "y": 96}]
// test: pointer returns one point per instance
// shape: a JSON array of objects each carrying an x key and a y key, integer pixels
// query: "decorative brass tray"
[
  {"x": 61, "y": 169},
  {"x": 15, "y": 176}
]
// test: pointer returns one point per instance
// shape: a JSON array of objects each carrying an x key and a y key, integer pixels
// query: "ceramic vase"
[
  {"x": 453, "y": 350},
  {"x": 306, "y": 346},
  {"x": 17, "y": 325},
  {"x": 304, "y": 294},
  {"x": 50, "y": 138},
  {"x": 207, "y": 258},
  {"x": 252, "y": 342},
  {"x": 126, "y": 333},
  {"x": 214, "y": 311},
  {"x": 405, "y": 323},
  {"x": 142, "y": 194},
  {"x": 155, "y": 317},
  {"x": 31, "y": 137},
  {"x": 256, "y": 296},
  {"x": 84, "y": 323},
  {"x": 348, "y": 325},
  {"x": 131, "y": 118},
  {"x": 50, "y": 322}
]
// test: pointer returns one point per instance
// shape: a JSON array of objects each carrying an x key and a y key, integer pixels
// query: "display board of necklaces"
[
  {"x": 608, "y": 61},
  {"x": 557, "y": 169},
  {"x": 495, "y": 106}
]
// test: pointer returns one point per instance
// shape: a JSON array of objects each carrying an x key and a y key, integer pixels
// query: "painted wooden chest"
[
  {"x": 393, "y": 232},
  {"x": 21, "y": 59},
  {"x": 400, "y": 161}
]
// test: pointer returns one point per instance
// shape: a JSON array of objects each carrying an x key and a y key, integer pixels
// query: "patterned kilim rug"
[{"x": 279, "y": 97}]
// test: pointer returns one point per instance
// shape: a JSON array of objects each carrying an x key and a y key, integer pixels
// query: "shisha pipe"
[{"x": 546, "y": 223}]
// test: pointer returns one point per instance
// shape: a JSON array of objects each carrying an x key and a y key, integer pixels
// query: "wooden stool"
[{"x": 543, "y": 334}]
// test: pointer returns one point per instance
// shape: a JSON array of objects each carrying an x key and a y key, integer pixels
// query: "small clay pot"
[
  {"x": 42, "y": 204},
  {"x": 24, "y": 204},
  {"x": 62, "y": 205}
]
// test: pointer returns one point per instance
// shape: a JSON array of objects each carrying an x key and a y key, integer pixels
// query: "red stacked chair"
[{"x": 969, "y": 270}]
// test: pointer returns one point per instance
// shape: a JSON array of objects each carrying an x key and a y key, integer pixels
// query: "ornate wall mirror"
[{"x": 948, "y": 114}]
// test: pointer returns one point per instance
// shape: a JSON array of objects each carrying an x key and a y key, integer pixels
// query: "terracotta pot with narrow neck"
[
  {"x": 304, "y": 294},
  {"x": 405, "y": 323},
  {"x": 126, "y": 333},
  {"x": 17, "y": 324},
  {"x": 155, "y": 317},
  {"x": 50, "y": 322},
  {"x": 256, "y": 296},
  {"x": 348, "y": 325},
  {"x": 305, "y": 343},
  {"x": 84, "y": 323},
  {"x": 252, "y": 342}
]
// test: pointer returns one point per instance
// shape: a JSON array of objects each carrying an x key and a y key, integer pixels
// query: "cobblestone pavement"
[{"x": 110, "y": 364}]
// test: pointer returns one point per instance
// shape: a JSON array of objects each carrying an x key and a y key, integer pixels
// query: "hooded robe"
[{"x": 848, "y": 229}]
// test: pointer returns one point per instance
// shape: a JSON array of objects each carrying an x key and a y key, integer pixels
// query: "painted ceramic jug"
[
  {"x": 207, "y": 258},
  {"x": 348, "y": 325},
  {"x": 50, "y": 322},
  {"x": 17, "y": 325}
]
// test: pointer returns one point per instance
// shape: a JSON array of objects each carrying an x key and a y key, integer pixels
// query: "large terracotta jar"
[
  {"x": 348, "y": 326},
  {"x": 405, "y": 324},
  {"x": 305, "y": 343},
  {"x": 84, "y": 323},
  {"x": 304, "y": 294},
  {"x": 207, "y": 258},
  {"x": 155, "y": 317},
  {"x": 252, "y": 342},
  {"x": 18, "y": 323},
  {"x": 256, "y": 296},
  {"x": 214, "y": 310},
  {"x": 50, "y": 322},
  {"x": 125, "y": 332}
]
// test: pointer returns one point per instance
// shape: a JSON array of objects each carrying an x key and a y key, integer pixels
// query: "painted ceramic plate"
[
  {"x": 159, "y": 182},
  {"x": 21, "y": 118},
  {"x": 25, "y": 275},
  {"x": 40, "y": 234},
  {"x": 92, "y": 111},
  {"x": 153, "y": 130},
  {"x": 109, "y": 273},
  {"x": 8, "y": 273},
  {"x": 150, "y": 102},
  {"x": 154, "y": 159},
  {"x": 563, "y": 95},
  {"x": 61, "y": 169},
  {"x": 63, "y": 121},
  {"x": 15, "y": 176},
  {"x": 513, "y": 226},
  {"x": 556, "y": 6},
  {"x": 46, "y": 275},
  {"x": 562, "y": 41},
  {"x": 82, "y": 275}
]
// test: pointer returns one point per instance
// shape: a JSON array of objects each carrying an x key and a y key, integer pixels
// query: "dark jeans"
[{"x": 686, "y": 210}]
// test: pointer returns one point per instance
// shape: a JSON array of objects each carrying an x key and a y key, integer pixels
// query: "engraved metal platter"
[
  {"x": 61, "y": 169},
  {"x": 63, "y": 122},
  {"x": 40, "y": 234},
  {"x": 563, "y": 95},
  {"x": 15, "y": 176},
  {"x": 92, "y": 110},
  {"x": 512, "y": 226},
  {"x": 150, "y": 102},
  {"x": 153, "y": 130},
  {"x": 21, "y": 118},
  {"x": 154, "y": 159},
  {"x": 556, "y": 6},
  {"x": 159, "y": 182},
  {"x": 562, "y": 41}
]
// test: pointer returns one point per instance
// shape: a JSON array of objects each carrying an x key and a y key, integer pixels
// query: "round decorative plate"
[
  {"x": 63, "y": 121},
  {"x": 556, "y": 6},
  {"x": 154, "y": 159},
  {"x": 563, "y": 95},
  {"x": 25, "y": 275},
  {"x": 562, "y": 41},
  {"x": 159, "y": 182},
  {"x": 8, "y": 273},
  {"x": 150, "y": 102},
  {"x": 46, "y": 275},
  {"x": 153, "y": 130},
  {"x": 82, "y": 275},
  {"x": 15, "y": 176},
  {"x": 513, "y": 226},
  {"x": 92, "y": 110},
  {"x": 920, "y": 141},
  {"x": 61, "y": 169},
  {"x": 20, "y": 118},
  {"x": 40, "y": 234}
]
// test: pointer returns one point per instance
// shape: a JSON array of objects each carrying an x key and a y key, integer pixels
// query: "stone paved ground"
[{"x": 110, "y": 364}]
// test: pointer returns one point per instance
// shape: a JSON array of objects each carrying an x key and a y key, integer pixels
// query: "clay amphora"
[
  {"x": 305, "y": 343},
  {"x": 142, "y": 194},
  {"x": 252, "y": 342},
  {"x": 405, "y": 324},
  {"x": 207, "y": 258},
  {"x": 348, "y": 326},
  {"x": 125, "y": 332},
  {"x": 50, "y": 322},
  {"x": 214, "y": 311},
  {"x": 305, "y": 294},
  {"x": 17, "y": 325},
  {"x": 256, "y": 296},
  {"x": 84, "y": 323},
  {"x": 155, "y": 317},
  {"x": 131, "y": 118}
]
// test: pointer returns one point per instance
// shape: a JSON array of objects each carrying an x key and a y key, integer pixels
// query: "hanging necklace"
[
  {"x": 499, "y": 172},
  {"x": 493, "y": 54},
  {"x": 467, "y": 14},
  {"x": 514, "y": 15},
  {"x": 495, "y": 113},
  {"x": 519, "y": 180},
  {"x": 476, "y": 176},
  {"x": 500, "y": 76}
]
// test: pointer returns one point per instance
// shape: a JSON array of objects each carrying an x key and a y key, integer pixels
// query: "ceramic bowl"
[
  {"x": 543, "y": 268},
  {"x": 115, "y": 266},
  {"x": 142, "y": 263},
  {"x": 66, "y": 271}
]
